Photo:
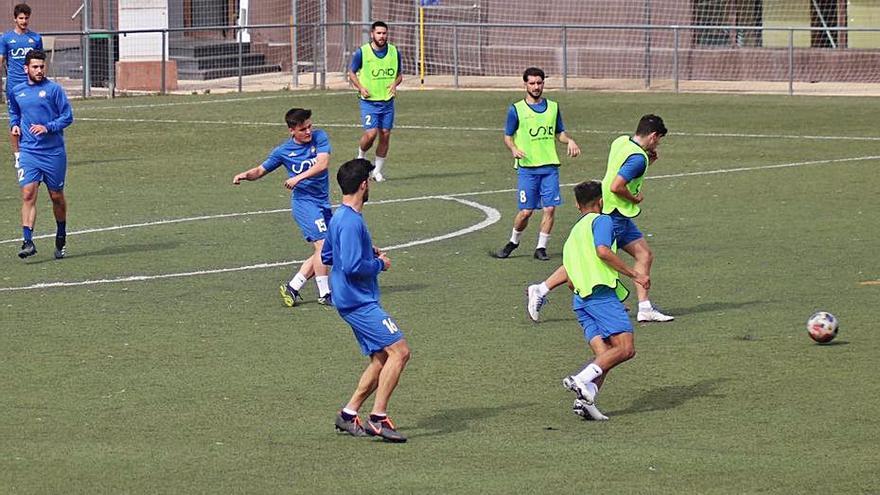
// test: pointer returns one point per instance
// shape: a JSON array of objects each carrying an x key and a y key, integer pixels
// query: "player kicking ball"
[{"x": 594, "y": 269}]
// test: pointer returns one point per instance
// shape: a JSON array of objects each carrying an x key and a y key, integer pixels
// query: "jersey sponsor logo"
[
  {"x": 19, "y": 52},
  {"x": 544, "y": 130},
  {"x": 383, "y": 72},
  {"x": 298, "y": 168}
]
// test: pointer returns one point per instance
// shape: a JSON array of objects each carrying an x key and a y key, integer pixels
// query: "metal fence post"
[
  {"x": 675, "y": 59},
  {"x": 323, "y": 18},
  {"x": 455, "y": 55},
  {"x": 790, "y": 62},
  {"x": 240, "y": 48},
  {"x": 564, "y": 57},
  {"x": 294, "y": 34},
  {"x": 86, "y": 49},
  {"x": 164, "y": 44},
  {"x": 111, "y": 66}
]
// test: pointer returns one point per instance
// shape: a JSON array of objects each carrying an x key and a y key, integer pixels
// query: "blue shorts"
[
  {"x": 373, "y": 328},
  {"x": 538, "y": 187},
  {"x": 625, "y": 230},
  {"x": 603, "y": 318},
  {"x": 377, "y": 114},
  {"x": 312, "y": 218},
  {"x": 48, "y": 167}
]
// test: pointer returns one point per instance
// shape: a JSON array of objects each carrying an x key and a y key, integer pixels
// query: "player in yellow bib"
[
  {"x": 628, "y": 162},
  {"x": 594, "y": 269},
  {"x": 534, "y": 124},
  {"x": 375, "y": 71}
]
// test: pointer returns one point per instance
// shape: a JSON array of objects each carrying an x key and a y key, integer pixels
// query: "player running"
[
  {"x": 628, "y": 162},
  {"x": 38, "y": 114},
  {"x": 355, "y": 280},
  {"x": 306, "y": 156},
  {"x": 375, "y": 72},
  {"x": 593, "y": 268}
]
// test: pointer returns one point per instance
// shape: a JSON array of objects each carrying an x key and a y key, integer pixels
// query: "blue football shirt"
[
  {"x": 15, "y": 47},
  {"x": 44, "y": 103},
  {"x": 348, "y": 248},
  {"x": 299, "y": 157}
]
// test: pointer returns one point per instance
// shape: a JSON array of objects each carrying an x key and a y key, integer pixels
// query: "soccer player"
[
  {"x": 38, "y": 113},
  {"x": 628, "y": 162},
  {"x": 355, "y": 280},
  {"x": 594, "y": 269},
  {"x": 375, "y": 72},
  {"x": 306, "y": 156},
  {"x": 16, "y": 44},
  {"x": 532, "y": 125}
]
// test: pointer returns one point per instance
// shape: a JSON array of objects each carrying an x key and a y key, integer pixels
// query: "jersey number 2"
[{"x": 367, "y": 119}]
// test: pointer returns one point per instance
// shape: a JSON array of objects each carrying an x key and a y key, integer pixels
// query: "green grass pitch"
[{"x": 761, "y": 210}]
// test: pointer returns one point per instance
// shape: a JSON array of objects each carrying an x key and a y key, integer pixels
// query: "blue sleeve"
[
  {"x": 65, "y": 113},
  {"x": 322, "y": 142},
  {"x": 14, "y": 110},
  {"x": 272, "y": 161},
  {"x": 39, "y": 42},
  {"x": 512, "y": 122},
  {"x": 560, "y": 127},
  {"x": 352, "y": 260},
  {"x": 633, "y": 167},
  {"x": 356, "y": 61},
  {"x": 603, "y": 231},
  {"x": 327, "y": 249}
]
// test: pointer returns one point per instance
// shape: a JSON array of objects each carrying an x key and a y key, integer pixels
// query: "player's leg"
[
  {"x": 379, "y": 423},
  {"x": 528, "y": 199},
  {"x": 28, "y": 217},
  {"x": 322, "y": 280},
  {"x": 59, "y": 209},
  {"x": 347, "y": 419},
  {"x": 370, "y": 124},
  {"x": 310, "y": 217},
  {"x": 386, "y": 123},
  {"x": 551, "y": 197},
  {"x": 644, "y": 259},
  {"x": 537, "y": 293},
  {"x": 54, "y": 177}
]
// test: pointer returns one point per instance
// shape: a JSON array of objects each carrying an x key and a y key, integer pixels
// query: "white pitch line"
[
  {"x": 477, "y": 129},
  {"x": 209, "y": 102},
  {"x": 443, "y": 196},
  {"x": 492, "y": 216}
]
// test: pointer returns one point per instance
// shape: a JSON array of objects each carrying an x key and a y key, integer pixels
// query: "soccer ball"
[{"x": 822, "y": 327}]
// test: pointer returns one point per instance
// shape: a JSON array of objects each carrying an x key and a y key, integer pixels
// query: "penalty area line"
[{"x": 492, "y": 216}]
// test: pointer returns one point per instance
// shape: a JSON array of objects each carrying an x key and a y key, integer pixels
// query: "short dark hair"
[
  {"x": 352, "y": 173},
  {"x": 651, "y": 123},
  {"x": 533, "y": 71},
  {"x": 296, "y": 116},
  {"x": 34, "y": 54},
  {"x": 378, "y": 24},
  {"x": 21, "y": 8},
  {"x": 588, "y": 191}
]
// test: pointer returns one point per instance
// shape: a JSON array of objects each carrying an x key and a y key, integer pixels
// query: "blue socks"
[
  {"x": 28, "y": 233},
  {"x": 61, "y": 229}
]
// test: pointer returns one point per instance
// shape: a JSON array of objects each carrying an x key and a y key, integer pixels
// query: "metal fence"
[{"x": 602, "y": 57}]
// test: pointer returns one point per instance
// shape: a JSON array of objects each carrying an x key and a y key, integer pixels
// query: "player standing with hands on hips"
[
  {"x": 39, "y": 112},
  {"x": 533, "y": 126},
  {"x": 375, "y": 72}
]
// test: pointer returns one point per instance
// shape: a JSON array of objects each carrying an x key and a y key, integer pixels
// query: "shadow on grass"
[
  {"x": 79, "y": 163},
  {"x": 107, "y": 251},
  {"x": 708, "y": 307},
  {"x": 390, "y": 289},
  {"x": 455, "y": 420},
  {"x": 670, "y": 397}
]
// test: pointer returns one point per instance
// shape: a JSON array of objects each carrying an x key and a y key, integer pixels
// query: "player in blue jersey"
[
  {"x": 355, "y": 280},
  {"x": 306, "y": 157},
  {"x": 16, "y": 44},
  {"x": 532, "y": 124},
  {"x": 38, "y": 113},
  {"x": 375, "y": 71}
]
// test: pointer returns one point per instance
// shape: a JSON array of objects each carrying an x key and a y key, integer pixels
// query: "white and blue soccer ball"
[{"x": 822, "y": 327}]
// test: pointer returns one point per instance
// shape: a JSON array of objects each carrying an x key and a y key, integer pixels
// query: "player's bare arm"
[
  {"x": 573, "y": 149},
  {"x": 322, "y": 163},
  {"x": 252, "y": 174},
  {"x": 15, "y": 130},
  {"x": 516, "y": 152},
  {"x": 393, "y": 86},
  {"x": 618, "y": 187},
  {"x": 607, "y": 255}
]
